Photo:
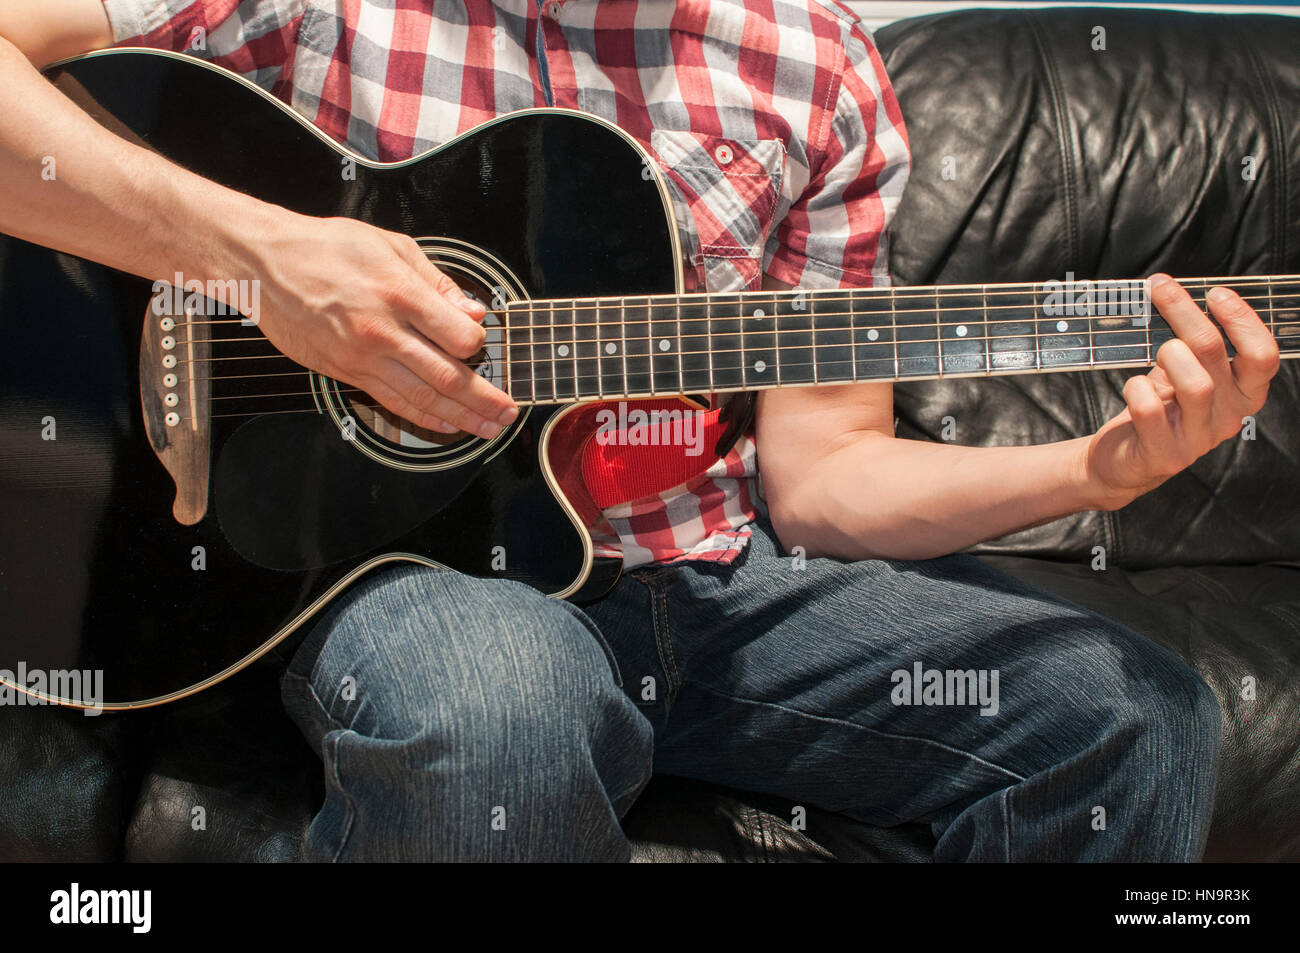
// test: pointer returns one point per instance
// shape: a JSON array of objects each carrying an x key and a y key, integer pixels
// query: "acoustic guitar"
[{"x": 176, "y": 497}]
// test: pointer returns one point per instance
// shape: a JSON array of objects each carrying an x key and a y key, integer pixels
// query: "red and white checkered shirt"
[{"x": 773, "y": 121}]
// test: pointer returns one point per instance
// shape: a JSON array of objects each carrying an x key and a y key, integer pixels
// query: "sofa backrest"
[{"x": 1109, "y": 143}]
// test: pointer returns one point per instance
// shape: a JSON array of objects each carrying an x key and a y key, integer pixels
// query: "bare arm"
[
  {"x": 352, "y": 301},
  {"x": 839, "y": 483}
]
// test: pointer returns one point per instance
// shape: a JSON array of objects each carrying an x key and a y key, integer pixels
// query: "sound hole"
[{"x": 398, "y": 431}]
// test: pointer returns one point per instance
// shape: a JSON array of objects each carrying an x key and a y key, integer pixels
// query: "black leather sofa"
[{"x": 1060, "y": 158}]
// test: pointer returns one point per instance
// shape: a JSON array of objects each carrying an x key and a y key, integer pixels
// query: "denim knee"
[{"x": 432, "y": 659}]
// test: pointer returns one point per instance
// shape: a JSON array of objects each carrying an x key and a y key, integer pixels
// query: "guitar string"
[
  {"x": 763, "y": 296},
  {"x": 768, "y": 295},
  {"x": 533, "y": 361},
  {"x": 577, "y": 397},
  {"x": 596, "y": 399},
  {"x": 579, "y": 382},
  {"x": 847, "y": 294},
  {"x": 713, "y": 320}
]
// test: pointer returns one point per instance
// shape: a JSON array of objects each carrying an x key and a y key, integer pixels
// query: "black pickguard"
[{"x": 95, "y": 573}]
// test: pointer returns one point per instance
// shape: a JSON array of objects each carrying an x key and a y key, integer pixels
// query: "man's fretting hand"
[
  {"x": 1191, "y": 401},
  {"x": 365, "y": 306}
]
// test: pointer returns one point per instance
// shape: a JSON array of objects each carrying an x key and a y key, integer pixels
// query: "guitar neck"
[{"x": 563, "y": 351}]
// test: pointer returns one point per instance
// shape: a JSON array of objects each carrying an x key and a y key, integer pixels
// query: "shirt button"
[
  {"x": 723, "y": 155},
  {"x": 553, "y": 10}
]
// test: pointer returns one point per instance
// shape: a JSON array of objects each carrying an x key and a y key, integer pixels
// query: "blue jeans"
[{"x": 468, "y": 719}]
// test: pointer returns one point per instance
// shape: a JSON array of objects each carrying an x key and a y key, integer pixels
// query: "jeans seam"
[
  {"x": 347, "y": 798},
  {"x": 1006, "y": 822},
  {"x": 667, "y": 640},
  {"x": 663, "y": 637},
  {"x": 338, "y": 780},
  {"x": 875, "y": 731}
]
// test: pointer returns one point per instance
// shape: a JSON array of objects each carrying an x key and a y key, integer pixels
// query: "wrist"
[
  {"x": 238, "y": 228},
  {"x": 1093, "y": 492}
]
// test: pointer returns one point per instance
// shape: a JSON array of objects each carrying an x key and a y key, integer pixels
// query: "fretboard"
[{"x": 562, "y": 351}]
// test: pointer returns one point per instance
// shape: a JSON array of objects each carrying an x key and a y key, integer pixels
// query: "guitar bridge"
[{"x": 174, "y": 389}]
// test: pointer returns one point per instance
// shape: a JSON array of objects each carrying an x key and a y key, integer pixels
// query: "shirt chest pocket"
[{"x": 729, "y": 198}]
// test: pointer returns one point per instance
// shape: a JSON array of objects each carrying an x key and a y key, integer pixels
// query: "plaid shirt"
[{"x": 773, "y": 122}]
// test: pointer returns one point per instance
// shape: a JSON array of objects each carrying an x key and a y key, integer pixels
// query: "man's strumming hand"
[{"x": 365, "y": 306}]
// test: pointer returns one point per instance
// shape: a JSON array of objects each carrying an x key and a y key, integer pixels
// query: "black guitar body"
[{"x": 97, "y": 572}]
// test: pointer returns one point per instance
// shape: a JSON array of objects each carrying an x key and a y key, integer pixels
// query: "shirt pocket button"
[{"x": 723, "y": 154}]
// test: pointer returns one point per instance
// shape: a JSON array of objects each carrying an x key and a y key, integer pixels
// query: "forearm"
[
  {"x": 349, "y": 300},
  {"x": 72, "y": 185},
  {"x": 878, "y": 496}
]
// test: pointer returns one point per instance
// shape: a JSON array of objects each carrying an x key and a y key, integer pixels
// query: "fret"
[
  {"x": 1120, "y": 323},
  {"x": 961, "y": 332},
  {"x": 518, "y": 351},
  {"x": 1012, "y": 329},
  {"x": 873, "y": 334},
  {"x": 1146, "y": 327},
  {"x": 893, "y": 320},
  {"x": 622, "y": 331},
  {"x": 833, "y": 335},
  {"x": 542, "y": 350},
  {"x": 693, "y": 329},
  {"x": 1272, "y": 311},
  {"x": 988, "y": 325},
  {"x": 636, "y": 350},
  {"x": 758, "y": 332},
  {"x": 665, "y": 348},
  {"x": 586, "y": 350},
  {"x": 917, "y": 333},
  {"x": 1038, "y": 344},
  {"x": 1284, "y": 313},
  {"x": 1092, "y": 348},
  {"x": 564, "y": 357},
  {"x": 726, "y": 371},
  {"x": 609, "y": 336},
  {"x": 794, "y": 338}
]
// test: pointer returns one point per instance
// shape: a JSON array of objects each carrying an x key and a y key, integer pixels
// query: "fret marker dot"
[
  {"x": 664, "y": 345},
  {"x": 961, "y": 330},
  {"x": 563, "y": 350},
  {"x": 759, "y": 313},
  {"x": 1062, "y": 325},
  {"x": 872, "y": 334},
  {"x": 760, "y": 366},
  {"x": 611, "y": 348}
]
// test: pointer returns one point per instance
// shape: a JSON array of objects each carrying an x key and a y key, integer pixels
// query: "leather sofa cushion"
[{"x": 1113, "y": 163}]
